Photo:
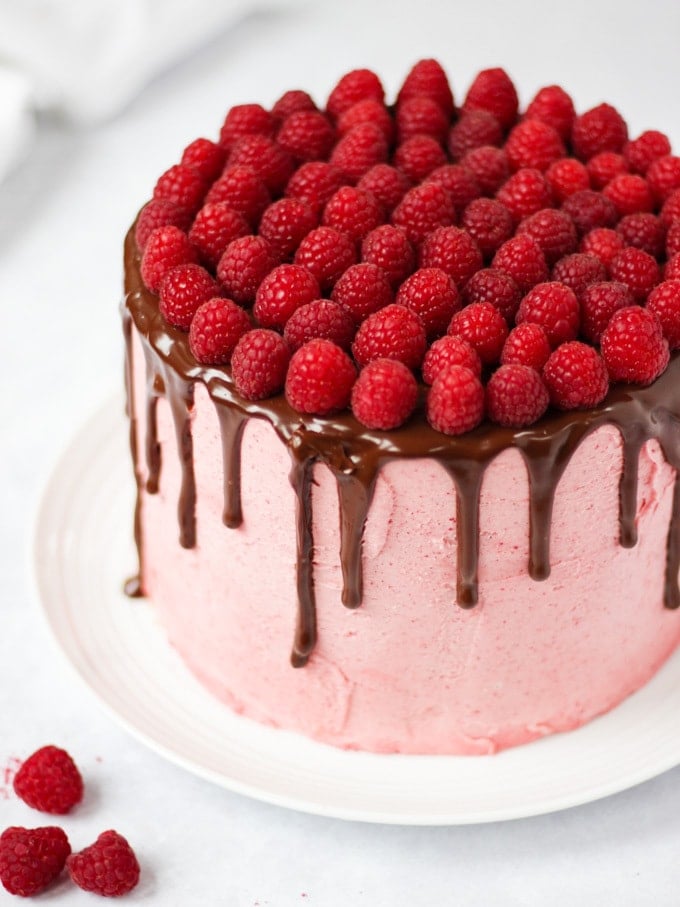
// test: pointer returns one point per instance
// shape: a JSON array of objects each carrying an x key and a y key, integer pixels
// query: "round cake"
[{"x": 404, "y": 412}]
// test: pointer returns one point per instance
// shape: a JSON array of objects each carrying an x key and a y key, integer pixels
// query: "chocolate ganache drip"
[{"x": 355, "y": 456}]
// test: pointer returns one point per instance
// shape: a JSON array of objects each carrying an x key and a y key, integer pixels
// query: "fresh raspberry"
[
  {"x": 272, "y": 163},
  {"x": 672, "y": 269},
  {"x": 664, "y": 301},
  {"x": 183, "y": 289},
  {"x": 108, "y": 867},
  {"x": 455, "y": 402},
  {"x": 590, "y": 210},
  {"x": 525, "y": 193},
  {"x": 552, "y": 105},
  {"x": 634, "y": 347},
  {"x": 353, "y": 212},
  {"x": 566, "y": 177},
  {"x": 493, "y": 90},
  {"x": 389, "y": 249},
  {"x": 215, "y": 330},
  {"x": 641, "y": 152},
  {"x": 553, "y": 230},
  {"x": 663, "y": 176},
  {"x": 454, "y": 251},
  {"x": 600, "y": 129},
  {"x": 314, "y": 183},
  {"x": 450, "y": 350},
  {"x": 243, "y": 190},
  {"x": 282, "y": 292},
  {"x": 386, "y": 184},
  {"x": 604, "y": 167},
  {"x": 307, "y": 135},
  {"x": 367, "y": 111},
  {"x": 393, "y": 332},
  {"x": 353, "y": 87},
  {"x": 31, "y": 858},
  {"x": 320, "y": 319},
  {"x": 473, "y": 130},
  {"x": 358, "y": 150},
  {"x": 214, "y": 227},
  {"x": 259, "y": 364},
  {"x": 291, "y": 102},
  {"x": 555, "y": 308},
  {"x": 534, "y": 144},
  {"x": 516, "y": 396},
  {"x": 630, "y": 193},
  {"x": 418, "y": 156},
  {"x": 165, "y": 248},
  {"x": 49, "y": 780},
  {"x": 320, "y": 378},
  {"x": 670, "y": 210},
  {"x": 604, "y": 243},
  {"x": 496, "y": 287},
  {"x": 181, "y": 185},
  {"x": 422, "y": 210},
  {"x": 638, "y": 270},
  {"x": 576, "y": 376},
  {"x": 458, "y": 182},
  {"x": 362, "y": 290},
  {"x": 522, "y": 258},
  {"x": 578, "y": 271},
  {"x": 644, "y": 231},
  {"x": 285, "y": 223},
  {"x": 484, "y": 328},
  {"x": 159, "y": 213},
  {"x": 245, "y": 119},
  {"x": 526, "y": 344},
  {"x": 384, "y": 395},
  {"x": 326, "y": 253},
  {"x": 433, "y": 296},
  {"x": 673, "y": 239},
  {"x": 489, "y": 223},
  {"x": 243, "y": 266},
  {"x": 428, "y": 79},
  {"x": 599, "y": 301},
  {"x": 489, "y": 166},
  {"x": 421, "y": 115},
  {"x": 206, "y": 158}
]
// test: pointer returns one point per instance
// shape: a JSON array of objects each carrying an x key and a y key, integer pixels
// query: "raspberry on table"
[
  {"x": 516, "y": 396},
  {"x": 496, "y": 287},
  {"x": 603, "y": 167},
  {"x": 259, "y": 364},
  {"x": 600, "y": 129},
  {"x": 670, "y": 210},
  {"x": 454, "y": 251},
  {"x": 320, "y": 318},
  {"x": 673, "y": 239},
  {"x": 384, "y": 395},
  {"x": 553, "y": 230},
  {"x": 358, "y": 150},
  {"x": 320, "y": 378},
  {"x": 182, "y": 185},
  {"x": 393, "y": 332},
  {"x": 461, "y": 185},
  {"x": 489, "y": 166},
  {"x": 492, "y": 90},
  {"x": 353, "y": 87},
  {"x": 455, "y": 402},
  {"x": 663, "y": 176},
  {"x": 389, "y": 249},
  {"x": 552, "y": 105},
  {"x": 484, "y": 328},
  {"x": 522, "y": 259},
  {"x": 630, "y": 193},
  {"x": 418, "y": 156},
  {"x": 672, "y": 269},
  {"x": 49, "y": 780},
  {"x": 243, "y": 190},
  {"x": 165, "y": 248},
  {"x": 352, "y": 211},
  {"x": 644, "y": 231},
  {"x": 327, "y": 254},
  {"x": 214, "y": 227},
  {"x": 450, "y": 350},
  {"x": 634, "y": 347},
  {"x": 159, "y": 212},
  {"x": 246, "y": 119},
  {"x": 589, "y": 210},
  {"x": 272, "y": 163},
  {"x": 533, "y": 144},
  {"x": 433, "y": 296},
  {"x": 386, "y": 184},
  {"x": 307, "y": 135},
  {"x": 578, "y": 271},
  {"x": 565, "y": 177},
  {"x": 638, "y": 270},
  {"x": 526, "y": 344},
  {"x": 640, "y": 153},
  {"x": 361, "y": 290},
  {"x": 428, "y": 79},
  {"x": 285, "y": 223},
  {"x": 31, "y": 858},
  {"x": 291, "y": 102},
  {"x": 243, "y": 266},
  {"x": 108, "y": 867},
  {"x": 555, "y": 308},
  {"x": 576, "y": 376},
  {"x": 489, "y": 223},
  {"x": 314, "y": 183},
  {"x": 206, "y": 158},
  {"x": 473, "y": 130},
  {"x": 664, "y": 301},
  {"x": 525, "y": 192},
  {"x": 215, "y": 330},
  {"x": 604, "y": 243},
  {"x": 183, "y": 289},
  {"x": 367, "y": 111},
  {"x": 422, "y": 210},
  {"x": 420, "y": 115},
  {"x": 599, "y": 301},
  {"x": 282, "y": 292}
]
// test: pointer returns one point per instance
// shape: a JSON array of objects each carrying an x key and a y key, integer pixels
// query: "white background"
[{"x": 63, "y": 215}]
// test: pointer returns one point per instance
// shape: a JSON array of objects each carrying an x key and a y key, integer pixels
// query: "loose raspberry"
[
  {"x": 645, "y": 149},
  {"x": 320, "y": 319},
  {"x": 49, "y": 780},
  {"x": 522, "y": 258},
  {"x": 259, "y": 364},
  {"x": 484, "y": 328},
  {"x": 525, "y": 193},
  {"x": 489, "y": 166},
  {"x": 285, "y": 223},
  {"x": 461, "y": 185},
  {"x": 165, "y": 248},
  {"x": 159, "y": 213},
  {"x": 291, "y": 102},
  {"x": 555, "y": 308},
  {"x": 326, "y": 253},
  {"x": 307, "y": 135},
  {"x": 672, "y": 269},
  {"x": 638, "y": 270},
  {"x": 181, "y": 185},
  {"x": 433, "y": 296},
  {"x": 384, "y": 395},
  {"x": 353, "y": 212},
  {"x": 360, "y": 149},
  {"x": 496, "y": 287},
  {"x": 578, "y": 271},
  {"x": 108, "y": 867},
  {"x": 428, "y": 79},
  {"x": 634, "y": 347},
  {"x": 353, "y": 87},
  {"x": 553, "y": 230},
  {"x": 418, "y": 156},
  {"x": 422, "y": 210},
  {"x": 454, "y": 251},
  {"x": 215, "y": 330},
  {"x": 272, "y": 163},
  {"x": 663, "y": 176},
  {"x": 31, "y": 858},
  {"x": 643, "y": 231},
  {"x": 576, "y": 376},
  {"x": 386, "y": 184},
  {"x": 206, "y": 158},
  {"x": 473, "y": 130},
  {"x": 670, "y": 210},
  {"x": 533, "y": 144},
  {"x": 526, "y": 344},
  {"x": 604, "y": 167},
  {"x": 320, "y": 378},
  {"x": 630, "y": 193},
  {"x": 393, "y": 332},
  {"x": 599, "y": 129},
  {"x": 183, "y": 289},
  {"x": 282, "y": 292},
  {"x": 493, "y": 90},
  {"x": 516, "y": 396},
  {"x": 243, "y": 190},
  {"x": 367, "y": 111},
  {"x": 566, "y": 177},
  {"x": 389, "y": 249},
  {"x": 455, "y": 403},
  {"x": 673, "y": 239},
  {"x": 362, "y": 290},
  {"x": 450, "y": 350},
  {"x": 664, "y": 301},
  {"x": 590, "y": 210},
  {"x": 245, "y": 119},
  {"x": 599, "y": 301},
  {"x": 421, "y": 115},
  {"x": 489, "y": 223},
  {"x": 214, "y": 227},
  {"x": 243, "y": 266},
  {"x": 603, "y": 243},
  {"x": 314, "y": 183},
  {"x": 552, "y": 105}
]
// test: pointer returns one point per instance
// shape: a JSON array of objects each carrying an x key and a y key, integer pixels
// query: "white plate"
[{"x": 83, "y": 551}]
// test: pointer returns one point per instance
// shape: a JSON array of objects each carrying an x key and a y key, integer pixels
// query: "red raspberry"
[
  {"x": 489, "y": 223},
  {"x": 358, "y": 150},
  {"x": 384, "y": 395},
  {"x": 320, "y": 319},
  {"x": 243, "y": 266},
  {"x": 664, "y": 301},
  {"x": 644, "y": 231},
  {"x": 525, "y": 193},
  {"x": 367, "y": 111},
  {"x": 630, "y": 193},
  {"x": 458, "y": 182},
  {"x": 314, "y": 183},
  {"x": 165, "y": 248},
  {"x": 670, "y": 210},
  {"x": 216, "y": 328},
  {"x": 455, "y": 403},
  {"x": 638, "y": 270},
  {"x": 433, "y": 296},
  {"x": 388, "y": 247},
  {"x": 527, "y": 344},
  {"x": 645, "y": 149},
  {"x": 393, "y": 332},
  {"x": 589, "y": 210},
  {"x": 663, "y": 176},
  {"x": 473, "y": 130},
  {"x": 291, "y": 102},
  {"x": 243, "y": 190},
  {"x": 49, "y": 780},
  {"x": 522, "y": 258},
  {"x": 421, "y": 115},
  {"x": 320, "y": 378},
  {"x": 422, "y": 210},
  {"x": 566, "y": 177},
  {"x": 555, "y": 308},
  {"x": 516, "y": 396},
  {"x": 552, "y": 105},
  {"x": 353, "y": 212},
  {"x": 362, "y": 290},
  {"x": 326, "y": 253},
  {"x": 454, "y": 251},
  {"x": 386, "y": 184},
  {"x": 446, "y": 351},
  {"x": 108, "y": 867},
  {"x": 484, "y": 328},
  {"x": 418, "y": 156},
  {"x": 307, "y": 135},
  {"x": 270, "y": 161},
  {"x": 428, "y": 79},
  {"x": 599, "y": 129},
  {"x": 181, "y": 185},
  {"x": 159, "y": 213},
  {"x": 603, "y": 243},
  {"x": 496, "y": 287},
  {"x": 492, "y": 90},
  {"x": 259, "y": 364},
  {"x": 673, "y": 239},
  {"x": 245, "y": 119},
  {"x": 31, "y": 858},
  {"x": 553, "y": 230},
  {"x": 599, "y": 301},
  {"x": 533, "y": 144},
  {"x": 285, "y": 223},
  {"x": 604, "y": 167},
  {"x": 214, "y": 227},
  {"x": 206, "y": 158},
  {"x": 183, "y": 289},
  {"x": 576, "y": 376},
  {"x": 672, "y": 269},
  {"x": 282, "y": 292},
  {"x": 489, "y": 166},
  {"x": 578, "y": 271},
  {"x": 634, "y": 347},
  {"x": 353, "y": 87}
]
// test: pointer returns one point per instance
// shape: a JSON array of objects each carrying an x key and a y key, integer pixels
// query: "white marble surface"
[{"x": 62, "y": 218}]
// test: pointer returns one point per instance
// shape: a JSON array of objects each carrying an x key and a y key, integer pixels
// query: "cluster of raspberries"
[{"x": 487, "y": 263}]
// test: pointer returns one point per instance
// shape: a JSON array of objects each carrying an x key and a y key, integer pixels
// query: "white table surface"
[{"x": 62, "y": 218}]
